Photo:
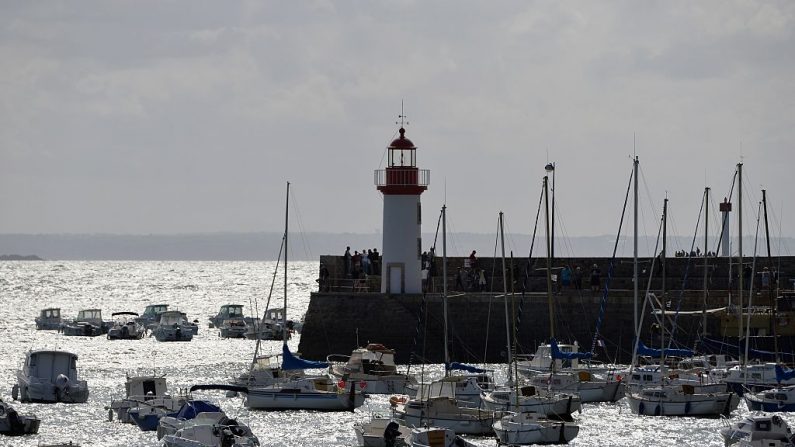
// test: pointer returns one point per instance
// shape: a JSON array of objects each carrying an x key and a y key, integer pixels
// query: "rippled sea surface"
[{"x": 199, "y": 289}]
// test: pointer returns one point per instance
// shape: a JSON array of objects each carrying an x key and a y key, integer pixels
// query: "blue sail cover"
[
  {"x": 468, "y": 368},
  {"x": 289, "y": 361},
  {"x": 784, "y": 374},
  {"x": 643, "y": 350},
  {"x": 558, "y": 354}
]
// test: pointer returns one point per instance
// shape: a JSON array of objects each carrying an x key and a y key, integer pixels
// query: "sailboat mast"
[
  {"x": 706, "y": 241},
  {"x": 773, "y": 304},
  {"x": 741, "y": 267},
  {"x": 635, "y": 243},
  {"x": 444, "y": 287},
  {"x": 664, "y": 301},
  {"x": 286, "y": 215},
  {"x": 664, "y": 244},
  {"x": 549, "y": 263},
  {"x": 505, "y": 291}
]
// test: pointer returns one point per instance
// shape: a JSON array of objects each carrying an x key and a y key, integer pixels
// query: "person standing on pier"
[{"x": 347, "y": 261}]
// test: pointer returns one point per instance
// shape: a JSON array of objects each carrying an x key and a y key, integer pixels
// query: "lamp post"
[{"x": 550, "y": 168}]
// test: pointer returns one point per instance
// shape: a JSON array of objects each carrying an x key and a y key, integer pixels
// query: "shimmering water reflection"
[{"x": 199, "y": 289}]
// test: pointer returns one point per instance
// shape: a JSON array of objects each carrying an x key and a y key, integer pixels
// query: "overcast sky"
[{"x": 189, "y": 116}]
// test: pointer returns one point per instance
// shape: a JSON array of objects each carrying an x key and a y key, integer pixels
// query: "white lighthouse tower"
[{"x": 402, "y": 184}]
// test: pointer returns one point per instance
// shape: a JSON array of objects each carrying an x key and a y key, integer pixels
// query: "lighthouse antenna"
[{"x": 403, "y": 118}]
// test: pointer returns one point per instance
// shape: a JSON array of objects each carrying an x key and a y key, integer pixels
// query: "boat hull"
[
  {"x": 317, "y": 401},
  {"x": 694, "y": 405}
]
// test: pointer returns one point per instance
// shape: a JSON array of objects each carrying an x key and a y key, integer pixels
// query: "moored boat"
[
  {"x": 15, "y": 424},
  {"x": 49, "y": 319},
  {"x": 529, "y": 428},
  {"x": 373, "y": 365},
  {"x": 50, "y": 376}
]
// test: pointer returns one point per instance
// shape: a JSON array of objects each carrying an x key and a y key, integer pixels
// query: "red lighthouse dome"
[{"x": 401, "y": 175}]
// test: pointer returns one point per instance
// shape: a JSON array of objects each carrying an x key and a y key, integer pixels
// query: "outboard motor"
[
  {"x": 391, "y": 434},
  {"x": 61, "y": 386}
]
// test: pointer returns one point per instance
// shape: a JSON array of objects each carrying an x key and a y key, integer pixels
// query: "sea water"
[{"x": 199, "y": 289}]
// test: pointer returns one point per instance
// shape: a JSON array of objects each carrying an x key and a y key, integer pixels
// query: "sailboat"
[
  {"x": 437, "y": 408},
  {"x": 302, "y": 392},
  {"x": 528, "y": 427},
  {"x": 665, "y": 399}
]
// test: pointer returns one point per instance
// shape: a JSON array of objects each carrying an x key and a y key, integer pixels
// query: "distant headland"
[{"x": 20, "y": 258}]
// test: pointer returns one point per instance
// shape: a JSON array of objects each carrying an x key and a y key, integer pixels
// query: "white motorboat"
[
  {"x": 50, "y": 376},
  {"x": 265, "y": 329},
  {"x": 445, "y": 412},
  {"x": 173, "y": 326},
  {"x": 375, "y": 366},
  {"x": 758, "y": 430},
  {"x": 151, "y": 315},
  {"x": 436, "y": 437},
  {"x": 207, "y": 430},
  {"x": 88, "y": 323},
  {"x": 681, "y": 400},
  {"x": 530, "y": 428},
  {"x": 143, "y": 391},
  {"x": 15, "y": 424},
  {"x": 125, "y": 327},
  {"x": 49, "y": 319},
  {"x": 381, "y": 432},
  {"x": 527, "y": 398}
]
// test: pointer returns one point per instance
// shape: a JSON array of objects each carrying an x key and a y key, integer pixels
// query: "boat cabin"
[
  {"x": 172, "y": 317},
  {"x": 149, "y": 387},
  {"x": 48, "y": 365},
  {"x": 230, "y": 311},
  {"x": 153, "y": 310},
  {"x": 52, "y": 313},
  {"x": 90, "y": 316}
]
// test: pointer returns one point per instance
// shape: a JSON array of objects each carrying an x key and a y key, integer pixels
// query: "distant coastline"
[
  {"x": 264, "y": 246},
  {"x": 20, "y": 258}
]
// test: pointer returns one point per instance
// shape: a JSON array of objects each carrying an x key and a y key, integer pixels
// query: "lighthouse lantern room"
[{"x": 402, "y": 183}]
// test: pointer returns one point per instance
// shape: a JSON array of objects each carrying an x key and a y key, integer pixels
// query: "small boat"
[
  {"x": 148, "y": 418},
  {"x": 174, "y": 430},
  {"x": 436, "y": 437},
  {"x": 151, "y": 315},
  {"x": 173, "y": 326},
  {"x": 49, "y": 319},
  {"x": 465, "y": 388},
  {"x": 375, "y": 366},
  {"x": 140, "y": 391},
  {"x": 776, "y": 399},
  {"x": 88, "y": 323},
  {"x": 530, "y": 428},
  {"x": 681, "y": 400},
  {"x": 381, "y": 432},
  {"x": 265, "y": 370},
  {"x": 126, "y": 328},
  {"x": 233, "y": 328},
  {"x": 445, "y": 412},
  {"x": 227, "y": 312},
  {"x": 304, "y": 393},
  {"x": 270, "y": 327},
  {"x": 210, "y": 430},
  {"x": 758, "y": 430},
  {"x": 528, "y": 399},
  {"x": 15, "y": 424},
  {"x": 755, "y": 378},
  {"x": 50, "y": 376},
  {"x": 590, "y": 387}
]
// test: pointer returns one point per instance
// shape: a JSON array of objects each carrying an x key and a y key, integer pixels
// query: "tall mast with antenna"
[
  {"x": 706, "y": 259},
  {"x": 505, "y": 292},
  {"x": 444, "y": 287},
  {"x": 286, "y": 215},
  {"x": 741, "y": 267},
  {"x": 635, "y": 240}
]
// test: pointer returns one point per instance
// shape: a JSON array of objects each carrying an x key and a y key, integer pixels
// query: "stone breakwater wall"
[
  {"x": 412, "y": 325},
  {"x": 350, "y": 313}
]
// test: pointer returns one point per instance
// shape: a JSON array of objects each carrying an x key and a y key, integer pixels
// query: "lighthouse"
[{"x": 402, "y": 183}]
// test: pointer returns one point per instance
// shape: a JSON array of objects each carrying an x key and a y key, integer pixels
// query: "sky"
[{"x": 183, "y": 116}]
